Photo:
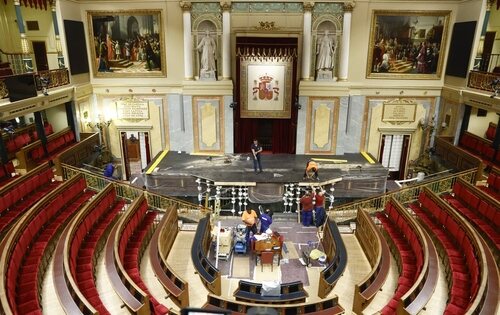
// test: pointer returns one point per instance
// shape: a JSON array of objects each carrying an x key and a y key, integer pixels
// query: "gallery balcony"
[{"x": 486, "y": 74}]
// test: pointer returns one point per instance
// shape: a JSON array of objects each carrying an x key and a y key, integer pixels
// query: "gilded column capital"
[
  {"x": 225, "y": 5},
  {"x": 17, "y": 2},
  {"x": 185, "y": 5},
  {"x": 349, "y": 6},
  {"x": 53, "y": 5},
  {"x": 308, "y": 6}
]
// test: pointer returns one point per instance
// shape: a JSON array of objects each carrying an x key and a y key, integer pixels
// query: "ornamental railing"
[
  {"x": 482, "y": 80},
  {"x": 348, "y": 211},
  {"x": 53, "y": 78},
  {"x": 186, "y": 210}
]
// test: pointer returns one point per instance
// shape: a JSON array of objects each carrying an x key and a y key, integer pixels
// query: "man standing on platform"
[
  {"x": 319, "y": 209},
  {"x": 249, "y": 217},
  {"x": 307, "y": 207},
  {"x": 256, "y": 150}
]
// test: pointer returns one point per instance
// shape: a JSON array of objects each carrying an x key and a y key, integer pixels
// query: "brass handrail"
[
  {"x": 129, "y": 192},
  {"x": 348, "y": 211}
]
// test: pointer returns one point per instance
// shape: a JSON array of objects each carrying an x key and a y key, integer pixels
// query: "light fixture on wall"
[
  {"x": 296, "y": 103},
  {"x": 426, "y": 125},
  {"x": 444, "y": 125}
]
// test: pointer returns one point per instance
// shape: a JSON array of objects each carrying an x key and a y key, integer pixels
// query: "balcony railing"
[
  {"x": 482, "y": 80},
  {"x": 55, "y": 78}
]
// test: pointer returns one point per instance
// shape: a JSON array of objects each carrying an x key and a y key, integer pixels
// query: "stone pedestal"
[
  {"x": 207, "y": 76},
  {"x": 324, "y": 75}
]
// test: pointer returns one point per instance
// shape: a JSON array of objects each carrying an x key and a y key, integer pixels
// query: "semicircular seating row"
[{"x": 40, "y": 216}]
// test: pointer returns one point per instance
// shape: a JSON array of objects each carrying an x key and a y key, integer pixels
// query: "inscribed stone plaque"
[
  {"x": 132, "y": 109},
  {"x": 399, "y": 112}
]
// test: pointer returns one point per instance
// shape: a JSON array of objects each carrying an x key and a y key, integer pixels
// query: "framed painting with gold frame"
[
  {"x": 407, "y": 44},
  {"x": 266, "y": 88},
  {"x": 127, "y": 43}
]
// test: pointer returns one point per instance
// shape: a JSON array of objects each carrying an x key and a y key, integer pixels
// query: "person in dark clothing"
[
  {"x": 109, "y": 169},
  {"x": 256, "y": 150},
  {"x": 265, "y": 221}
]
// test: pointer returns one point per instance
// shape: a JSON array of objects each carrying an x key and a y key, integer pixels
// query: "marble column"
[
  {"x": 188, "y": 41},
  {"x": 60, "y": 57},
  {"x": 25, "y": 45},
  {"x": 226, "y": 40},
  {"x": 306, "y": 41},
  {"x": 346, "y": 38}
]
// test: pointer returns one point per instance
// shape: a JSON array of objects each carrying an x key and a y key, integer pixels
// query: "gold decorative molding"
[
  {"x": 327, "y": 116},
  {"x": 225, "y": 5},
  {"x": 266, "y": 26},
  {"x": 349, "y": 6},
  {"x": 308, "y": 6},
  {"x": 208, "y": 124},
  {"x": 185, "y": 5}
]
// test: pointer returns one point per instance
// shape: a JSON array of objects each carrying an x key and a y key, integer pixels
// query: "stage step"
[{"x": 284, "y": 217}]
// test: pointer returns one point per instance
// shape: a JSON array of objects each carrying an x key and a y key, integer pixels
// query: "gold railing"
[
  {"x": 349, "y": 211},
  {"x": 481, "y": 80},
  {"x": 55, "y": 78},
  {"x": 97, "y": 182}
]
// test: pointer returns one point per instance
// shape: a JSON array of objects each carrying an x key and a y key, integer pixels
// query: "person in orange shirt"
[
  {"x": 311, "y": 171},
  {"x": 249, "y": 217}
]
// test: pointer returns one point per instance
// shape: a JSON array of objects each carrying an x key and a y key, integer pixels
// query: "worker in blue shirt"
[
  {"x": 265, "y": 220},
  {"x": 109, "y": 169}
]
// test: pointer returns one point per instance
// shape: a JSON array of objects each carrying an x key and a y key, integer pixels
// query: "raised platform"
[{"x": 175, "y": 174}]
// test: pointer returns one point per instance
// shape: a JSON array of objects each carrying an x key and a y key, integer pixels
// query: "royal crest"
[{"x": 265, "y": 88}]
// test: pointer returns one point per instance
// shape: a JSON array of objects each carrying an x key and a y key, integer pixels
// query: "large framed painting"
[
  {"x": 127, "y": 43},
  {"x": 266, "y": 88},
  {"x": 407, "y": 44}
]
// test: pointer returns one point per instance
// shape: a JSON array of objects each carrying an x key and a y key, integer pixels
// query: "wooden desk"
[{"x": 272, "y": 244}]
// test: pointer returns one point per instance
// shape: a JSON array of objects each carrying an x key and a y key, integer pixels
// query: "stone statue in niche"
[
  {"x": 325, "y": 52},
  {"x": 208, "y": 48}
]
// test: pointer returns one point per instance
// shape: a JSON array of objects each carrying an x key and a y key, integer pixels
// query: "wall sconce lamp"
[
  {"x": 233, "y": 105},
  {"x": 444, "y": 125},
  {"x": 425, "y": 126},
  {"x": 296, "y": 103}
]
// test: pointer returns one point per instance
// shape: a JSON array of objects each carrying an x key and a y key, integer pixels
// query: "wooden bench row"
[
  {"x": 465, "y": 258},
  {"x": 328, "y": 306},
  {"x": 209, "y": 275},
  {"x": 159, "y": 249},
  {"x": 30, "y": 243},
  {"x": 132, "y": 245},
  {"x": 290, "y": 293},
  {"x": 336, "y": 253},
  {"x": 134, "y": 298},
  {"x": 480, "y": 209},
  {"x": 377, "y": 251},
  {"x": 456, "y": 157},
  {"x": 480, "y": 147},
  {"x": 76, "y": 254},
  {"x": 17, "y": 196},
  {"x": 492, "y": 187},
  {"x": 416, "y": 258},
  {"x": 34, "y": 153},
  {"x": 23, "y": 137}
]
